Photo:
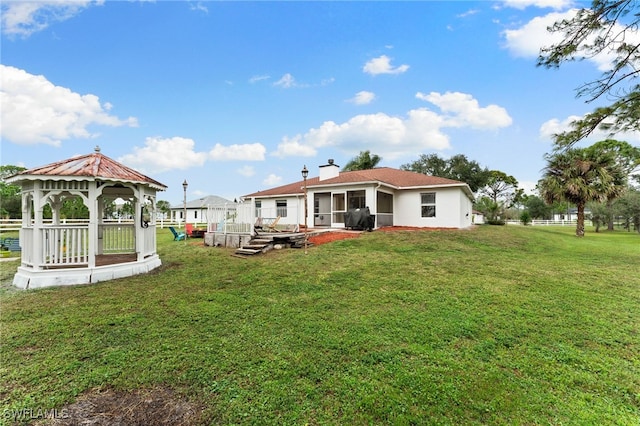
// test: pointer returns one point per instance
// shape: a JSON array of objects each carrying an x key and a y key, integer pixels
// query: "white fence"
[{"x": 540, "y": 222}]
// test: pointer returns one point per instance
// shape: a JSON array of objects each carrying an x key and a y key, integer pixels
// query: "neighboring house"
[
  {"x": 198, "y": 210},
  {"x": 570, "y": 215},
  {"x": 395, "y": 197},
  {"x": 478, "y": 217}
]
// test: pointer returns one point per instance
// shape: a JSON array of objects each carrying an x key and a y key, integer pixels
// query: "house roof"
[
  {"x": 394, "y": 178},
  {"x": 95, "y": 165},
  {"x": 204, "y": 202}
]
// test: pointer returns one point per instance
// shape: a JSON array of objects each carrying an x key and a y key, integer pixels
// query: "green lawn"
[{"x": 496, "y": 325}]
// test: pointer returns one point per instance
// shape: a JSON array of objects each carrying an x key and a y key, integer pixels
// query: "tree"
[
  {"x": 458, "y": 167},
  {"x": 627, "y": 158},
  {"x": 628, "y": 207},
  {"x": 363, "y": 161},
  {"x": 605, "y": 28},
  {"x": 502, "y": 190},
  {"x": 10, "y": 200},
  {"x": 74, "y": 208},
  {"x": 580, "y": 175},
  {"x": 537, "y": 207},
  {"x": 164, "y": 207},
  {"x": 600, "y": 214}
]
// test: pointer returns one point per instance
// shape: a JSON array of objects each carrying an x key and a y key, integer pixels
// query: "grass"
[{"x": 497, "y": 325}]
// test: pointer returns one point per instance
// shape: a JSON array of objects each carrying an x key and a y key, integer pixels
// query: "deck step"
[
  {"x": 261, "y": 241},
  {"x": 254, "y": 246},
  {"x": 243, "y": 250}
]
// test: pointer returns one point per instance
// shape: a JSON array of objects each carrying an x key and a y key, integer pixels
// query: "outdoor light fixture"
[
  {"x": 184, "y": 185},
  {"x": 305, "y": 173}
]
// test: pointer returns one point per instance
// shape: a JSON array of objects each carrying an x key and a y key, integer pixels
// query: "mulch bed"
[{"x": 328, "y": 237}]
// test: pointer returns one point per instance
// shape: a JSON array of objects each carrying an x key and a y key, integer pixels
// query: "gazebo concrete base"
[{"x": 27, "y": 278}]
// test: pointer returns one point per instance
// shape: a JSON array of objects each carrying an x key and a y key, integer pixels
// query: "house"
[
  {"x": 395, "y": 197},
  {"x": 570, "y": 215},
  {"x": 198, "y": 210}
]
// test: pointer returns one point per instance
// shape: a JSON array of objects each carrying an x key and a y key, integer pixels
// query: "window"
[
  {"x": 195, "y": 214},
  {"x": 428, "y": 204},
  {"x": 281, "y": 208},
  {"x": 258, "y": 208}
]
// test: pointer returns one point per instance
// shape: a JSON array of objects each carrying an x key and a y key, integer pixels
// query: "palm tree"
[
  {"x": 363, "y": 161},
  {"x": 581, "y": 175}
]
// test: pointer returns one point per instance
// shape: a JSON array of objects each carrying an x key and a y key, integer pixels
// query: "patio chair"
[
  {"x": 177, "y": 236},
  {"x": 272, "y": 225},
  {"x": 189, "y": 229}
]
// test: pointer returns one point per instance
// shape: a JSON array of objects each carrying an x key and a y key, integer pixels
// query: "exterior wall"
[
  {"x": 295, "y": 209},
  {"x": 451, "y": 208},
  {"x": 466, "y": 210}
]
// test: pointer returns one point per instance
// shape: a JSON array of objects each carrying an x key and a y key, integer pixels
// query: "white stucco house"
[
  {"x": 198, "y": 210},
  {"x": 395, "y": 197}
]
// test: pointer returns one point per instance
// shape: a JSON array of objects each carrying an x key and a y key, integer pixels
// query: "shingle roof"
[
  {"x": 399, "y": 179},
  {"x": 204, "y": 202},
  {"x": 94, "y": 165}
]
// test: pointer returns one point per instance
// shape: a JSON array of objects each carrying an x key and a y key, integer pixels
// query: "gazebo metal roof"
[{"x": 96, "y": 165}]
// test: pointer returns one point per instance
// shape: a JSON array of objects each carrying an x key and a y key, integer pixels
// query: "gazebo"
[{"x": 57, "y": 251}]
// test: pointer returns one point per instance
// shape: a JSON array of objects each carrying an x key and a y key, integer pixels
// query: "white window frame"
[{"x": 427, "y": 207}]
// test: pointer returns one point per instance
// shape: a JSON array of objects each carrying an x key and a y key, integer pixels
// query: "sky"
[{"x": 237, "y": 97}]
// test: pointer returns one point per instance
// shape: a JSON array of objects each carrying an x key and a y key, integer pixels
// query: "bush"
[{"x": 525, "y": 217}]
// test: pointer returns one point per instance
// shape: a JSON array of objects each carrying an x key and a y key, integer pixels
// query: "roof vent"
[
  {"x": 331, "y": 161},
  {"x": 97, "y": 148}
]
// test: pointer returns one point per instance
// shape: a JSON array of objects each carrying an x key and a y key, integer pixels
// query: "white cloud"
[
  {"x": 272, "y": 180},
  {"x": 464, "y": 111},
  {"x": 393, "y": 137},
  {"x": 199, "y": 7},
  {"x": 294, "y": 147},
  {"x": 159, "y": 155},
  {"x": 245, "y": 152},
  {"x": 287, "y": 81},
  {"x": 246, "y": 171},
  {"x": 555, "y": 126},
  {"x": 553, "y": 4},
  {"x": 34, "y": 110},
  {"x": 527, "y": 40},
  {"x": 469, "y": 12},
  {"x": 25, "y": 18},
  {"x": 257, "y": 78},
  {"x": 363, "y": 98},
  {"x": 382, "y": 65}
]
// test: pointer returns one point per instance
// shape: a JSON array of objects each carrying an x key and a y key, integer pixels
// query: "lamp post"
[
  {"x": 184, "y": 204},
  {"x": 305, "y": 173}
]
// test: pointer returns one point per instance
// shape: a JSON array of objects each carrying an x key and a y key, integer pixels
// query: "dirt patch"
[{"x": 150, "y": 407}]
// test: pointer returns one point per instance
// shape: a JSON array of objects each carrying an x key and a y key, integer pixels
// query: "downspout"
[{"x": 375, "y": 202}]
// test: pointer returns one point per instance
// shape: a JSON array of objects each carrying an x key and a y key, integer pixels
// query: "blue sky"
[{"x": 237, "y": 97}]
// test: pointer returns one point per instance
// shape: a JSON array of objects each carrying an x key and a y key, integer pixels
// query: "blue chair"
[{"x": 177, "y": 236}]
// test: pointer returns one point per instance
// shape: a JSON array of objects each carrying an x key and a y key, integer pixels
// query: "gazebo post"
[
  {"x": 93, "y": 224},
  {"x": 37, "y": 233}
]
